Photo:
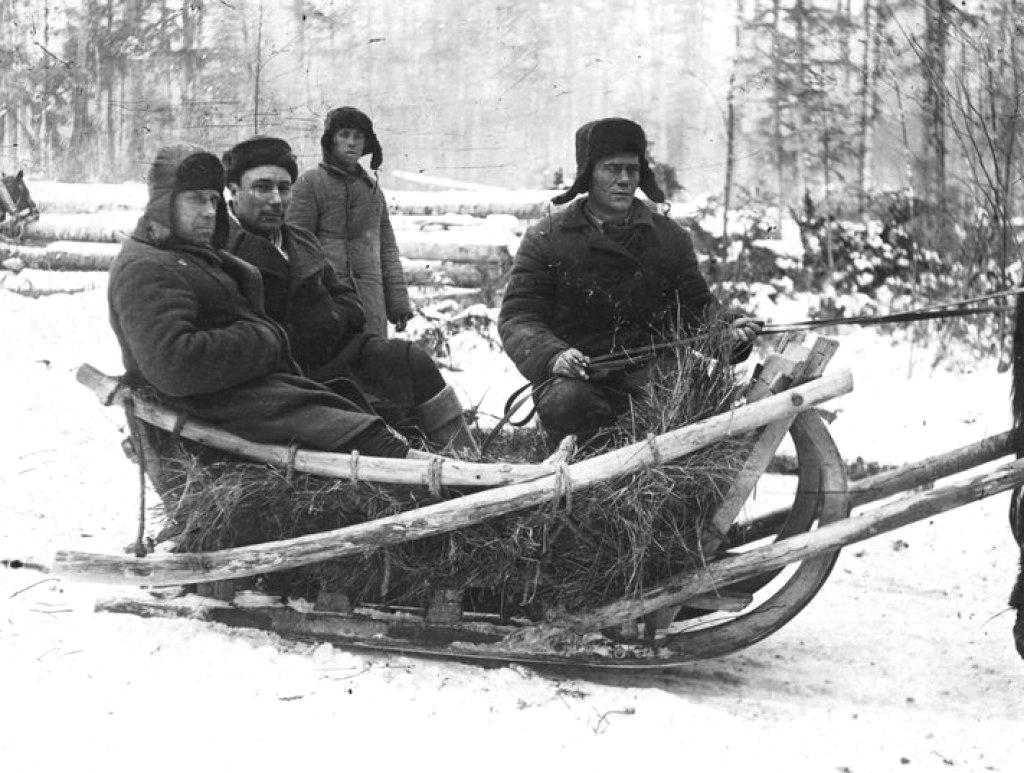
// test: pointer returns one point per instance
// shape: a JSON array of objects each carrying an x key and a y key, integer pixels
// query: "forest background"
[{"x": 837, "y": 104}]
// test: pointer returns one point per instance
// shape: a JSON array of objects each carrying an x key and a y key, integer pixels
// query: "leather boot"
[{"x": 440, "y": 419}]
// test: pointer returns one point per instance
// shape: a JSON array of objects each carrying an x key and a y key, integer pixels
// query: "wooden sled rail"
[
  {"x": 417, "y": 471},
  {"x": 449, "y": 515}
]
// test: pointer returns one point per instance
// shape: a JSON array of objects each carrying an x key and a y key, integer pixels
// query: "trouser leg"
[
  {"x": 410, "y": 393},
  {"x": 572, "y": 407}
]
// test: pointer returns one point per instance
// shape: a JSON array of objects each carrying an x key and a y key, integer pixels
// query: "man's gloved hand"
[
  {"x": 572, "y": 363},
  {"x": 403, "y": 320}
]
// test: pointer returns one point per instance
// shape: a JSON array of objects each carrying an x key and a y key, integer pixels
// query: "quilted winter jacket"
[
  {"x": 348, "y": 215},
  {"x": 572, "y": 286}
]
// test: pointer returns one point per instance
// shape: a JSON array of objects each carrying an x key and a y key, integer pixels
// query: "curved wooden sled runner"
[{"x": 761, "y": 574}]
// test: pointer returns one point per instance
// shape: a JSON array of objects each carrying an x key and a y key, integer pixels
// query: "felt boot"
[{"x": 441, "y": 421}]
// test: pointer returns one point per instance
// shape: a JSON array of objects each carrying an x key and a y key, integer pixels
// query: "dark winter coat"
[
  {"x": 319, "y": 311},
  {"x": 348, "y": 215},
  {"x": 323, "y": 319},
  {"x": 573, "y": 286},
  {"x": 191, "y": 325}
]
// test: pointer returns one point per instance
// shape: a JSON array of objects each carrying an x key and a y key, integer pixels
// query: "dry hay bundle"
[{"x": 611, "y": 540}]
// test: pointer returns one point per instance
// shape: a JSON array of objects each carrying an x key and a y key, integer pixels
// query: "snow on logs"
[
  {"x": 54, "y": 197},
  {"x": 452, "y": 250},
  {"x": 110, "y": 226}
]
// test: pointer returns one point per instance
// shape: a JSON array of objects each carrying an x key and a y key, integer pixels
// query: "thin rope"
[
  {"x": 563, "y": 488},
  {"x": 353, "y": 462},
  {"x": 652, "y": 443},
  {"x": 140, "y": 452},
  {"x": 434, "y": 476},
  {"x": 946, "y": 310},
  {"x": 289, "y": 474},
  {"x": 179, "y": 425}
]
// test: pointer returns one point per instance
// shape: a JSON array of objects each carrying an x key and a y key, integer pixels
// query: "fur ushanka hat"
[
  {"x": 351, "y": 118},
  {"x": 606, "y": 137},
  {"x": 180, "y": 168},
  {"x": 259, "y": 151}
]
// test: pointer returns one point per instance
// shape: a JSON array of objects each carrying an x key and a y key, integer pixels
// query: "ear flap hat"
[
  {"x": 607, "y": 137},
  {"x": 351, "y": 118}
]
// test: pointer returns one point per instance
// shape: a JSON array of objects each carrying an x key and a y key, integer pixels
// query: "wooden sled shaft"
[
  {"x": 450, "y": 515},
  {"x": 879, "y": 520},
  {"x": 886, "y": 484}
]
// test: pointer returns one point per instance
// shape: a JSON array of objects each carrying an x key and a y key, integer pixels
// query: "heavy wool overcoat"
[
  {"x": 574, "y": 286},
  {"x": 320, "y": 312},
  {"x": 348, "y": 215},
  {"x": 191, "y": 325}
]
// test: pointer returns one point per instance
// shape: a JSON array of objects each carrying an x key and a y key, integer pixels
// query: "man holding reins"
[{"x": 603, "y": 275}]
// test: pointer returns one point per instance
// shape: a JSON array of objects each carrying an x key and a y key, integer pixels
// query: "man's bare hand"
[
  {"x": 745, "y": 329},
  {"x": 572, "y": 363}
]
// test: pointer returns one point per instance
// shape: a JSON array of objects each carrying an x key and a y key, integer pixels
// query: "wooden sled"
[{"x": 762, "y": 573}]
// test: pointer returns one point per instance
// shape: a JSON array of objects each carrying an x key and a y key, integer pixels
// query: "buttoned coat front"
[
  {"x": 574, "y": 286},
  {"x": 348, "y": 215}
]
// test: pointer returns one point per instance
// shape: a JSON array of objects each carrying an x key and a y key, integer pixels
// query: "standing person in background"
[{"x": 345, "y": 209}]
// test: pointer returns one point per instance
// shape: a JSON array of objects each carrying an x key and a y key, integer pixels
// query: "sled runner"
[{"x": 754, "y": 576}]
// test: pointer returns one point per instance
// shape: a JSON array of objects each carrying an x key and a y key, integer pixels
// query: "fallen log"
[
  {"x": 484, "y": 276},
  {"x": 57, "y": 197},
  {"x": 63, "y": 256},
  {"x": 99, "y": 256},
  {"x": 886, "y": 484},
  {"x": 98, "y": 197},
  {"x": 449, "y": 515},
  {"x": 521, "y": 204},
  {"x": 34, "y": 283},
  {"x": 110, "y": 226},
  {"x": 727, "y": 571}
]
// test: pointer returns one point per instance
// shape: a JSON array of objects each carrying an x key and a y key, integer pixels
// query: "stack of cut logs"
[{"x": 461, "y": 242}]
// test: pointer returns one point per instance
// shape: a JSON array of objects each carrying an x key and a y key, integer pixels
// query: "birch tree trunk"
[
  {"x": 730, "y": 125},
  {"x": 867, "y": 97},
  {"x": 776, "y": 57},
  {"x": 936, "y": 18}
]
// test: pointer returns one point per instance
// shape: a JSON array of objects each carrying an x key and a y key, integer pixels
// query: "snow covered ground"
[{"x": 903, "y": 662}]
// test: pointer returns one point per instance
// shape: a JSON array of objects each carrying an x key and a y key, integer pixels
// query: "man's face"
[
  {"x": 195, "y": 215},
  {"x": 261, "y": 197},
  {"x": 348, "y": 147},
  {"x": 613, "y": 184}
]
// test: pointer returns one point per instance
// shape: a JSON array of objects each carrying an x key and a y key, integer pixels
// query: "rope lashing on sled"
[
  {"x": 563, "y": 487},
  {"x": 652, "y": 443},
  {"x": 353, "y": 465},
  {"x": 289, "y": 470},
  {"x": 140, "y": 453},
  {"x": 179, "y": 425},
  {"x": 434, "y": 476},
  {"x": 949, "y": 310}
]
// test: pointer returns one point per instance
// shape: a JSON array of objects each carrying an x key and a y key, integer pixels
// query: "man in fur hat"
[
  {"x": 343, "y": 207},
  {"x": 191, "y": 324},
  {"x": 320, "y": 312},
  {"x": 602, "y": 275}
]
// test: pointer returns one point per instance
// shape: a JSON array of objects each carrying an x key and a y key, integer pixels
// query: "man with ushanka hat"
[
  {"x": 344, "y": 208},
  {"x": 190, "y": 320},
  {"x": 320, "y": 312},
  {"x": 603, "y": 275}
]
